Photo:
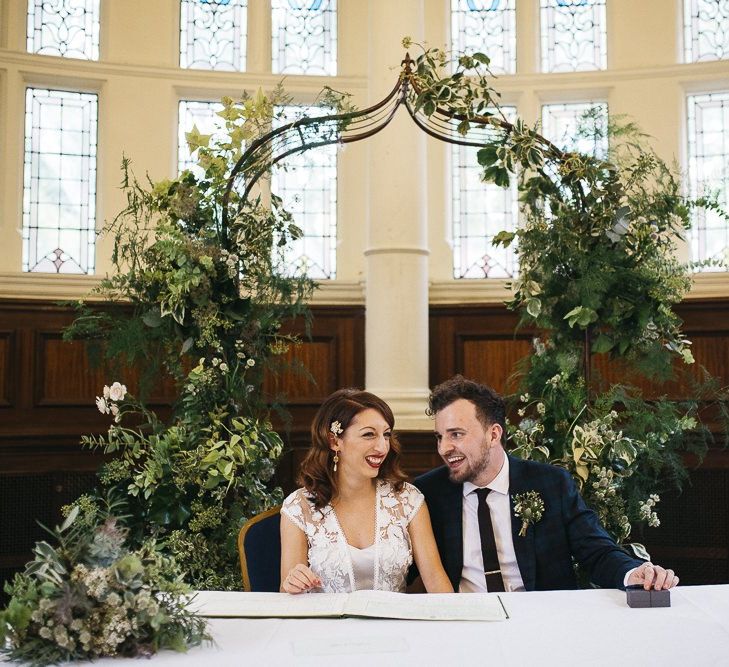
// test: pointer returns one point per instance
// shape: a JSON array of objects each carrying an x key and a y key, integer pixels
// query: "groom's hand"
[{"x": 652, "y": 576}]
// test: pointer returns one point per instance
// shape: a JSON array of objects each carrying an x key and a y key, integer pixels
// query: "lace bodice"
[{"x": 329, "y": 553}]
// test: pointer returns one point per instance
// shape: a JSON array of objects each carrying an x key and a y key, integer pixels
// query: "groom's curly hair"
[
  {"x": 317, "y": 474},
  {"x": 490, "y": 408}
]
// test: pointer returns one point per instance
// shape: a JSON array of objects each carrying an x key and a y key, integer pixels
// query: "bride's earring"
[{"x": 336, "y": 460}]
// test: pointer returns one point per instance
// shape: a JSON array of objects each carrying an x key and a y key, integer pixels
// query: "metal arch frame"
[{"x": 344, "y": 128}]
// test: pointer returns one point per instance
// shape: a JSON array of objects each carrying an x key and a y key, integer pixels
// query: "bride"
[{"x": 356, "y": 524}]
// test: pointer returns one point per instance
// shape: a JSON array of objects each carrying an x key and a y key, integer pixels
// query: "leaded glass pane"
[
  {"x": 580, "y": 126},
  {"x": 213, "y": 34},
  {"x": 307, "y": 184},
  {"x": 203, "y": 116},
  {"x": 66, "y": 28},
  {"x": 59, "y": 181},
  {"x": 708, "y": 151},
  {"x": 480, "y": 211},
  {"x": 304, "y": 37},
  {"x": 574, "y": 36},
  {"x": 488, "y": 26},
  {"x": 705, "y": 30}
]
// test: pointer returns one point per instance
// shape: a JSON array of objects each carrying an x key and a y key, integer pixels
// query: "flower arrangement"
[
  {"x": 199, "y": 294},
  {"x": 598, "y": 278},
  {"x": 91, "y": 597}
]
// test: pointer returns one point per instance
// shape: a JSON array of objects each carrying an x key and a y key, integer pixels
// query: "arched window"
[
  {"x": 304, "y": 37},
  {"x": 708, "y": 154},
  {"x": 574, "y": 35},
  {"x": 213, "y": 34},
  {"x": 64, "y": 28},
  {"x": 59, "y": 181}
]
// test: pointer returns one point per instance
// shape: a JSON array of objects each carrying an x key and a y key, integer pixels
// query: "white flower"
[
  {"x": 541, "y": 409},
  {"x": 224, "y": 367},
  {"x": 336, "y": 427},
  {"x": 101, "y": 404},
  {"x": 106, "y": 392},
  {"x": 621, "y": 224},
  {"x": 115, "y": 411},
  {"x": 117, "y": 391},
  {"x": 216, "y": 361},
  {"x": 554, "y": 380},
  {"x": 251, "y": 363}
]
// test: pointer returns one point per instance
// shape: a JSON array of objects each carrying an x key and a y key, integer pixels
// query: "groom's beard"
[{"x": 470, "y": 471}]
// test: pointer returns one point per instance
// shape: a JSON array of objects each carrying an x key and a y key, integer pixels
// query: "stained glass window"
[
  {"x": 580, "y": 126},
  {"x": 705, "y": 30},
  {"x": 203, "y": 116},
  {"x": 471, "y": 20},
  {"x": 574, "y": 36},
  {"x": 307, "y": 184},
  {"x": 59, "y": 181},
  {"x": 480, "y": 211},
  {"x": 66, "y": 28},
  {"x": 304, "y": 37},
  {"x": 213, "y": 34},
  {"x": 708, "y": 153}
]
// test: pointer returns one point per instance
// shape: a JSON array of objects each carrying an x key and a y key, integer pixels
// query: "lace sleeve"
[
  {"x": 293, "y": 509},
  {"x": 411, "y": 499}
]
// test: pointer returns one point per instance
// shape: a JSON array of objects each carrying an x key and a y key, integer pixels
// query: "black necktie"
[{"x": 491, "y": 567}]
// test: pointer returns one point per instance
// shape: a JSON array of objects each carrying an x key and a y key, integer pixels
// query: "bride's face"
[{"x": 363, "y": 446}]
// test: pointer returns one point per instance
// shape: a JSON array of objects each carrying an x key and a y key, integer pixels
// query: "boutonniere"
[{"x": 529, "y": 507}]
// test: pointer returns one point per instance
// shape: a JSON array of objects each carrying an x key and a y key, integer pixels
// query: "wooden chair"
[{"x": 259, "y": 548}]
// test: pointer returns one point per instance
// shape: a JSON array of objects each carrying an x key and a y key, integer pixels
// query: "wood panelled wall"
[{"x": 47, "y": 390}]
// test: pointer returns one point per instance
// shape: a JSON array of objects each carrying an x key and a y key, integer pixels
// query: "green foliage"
[
  {"x": 199, "y": 292},
  {"x": 598, "y": 275},
  {"x": 91, "y": 596}
]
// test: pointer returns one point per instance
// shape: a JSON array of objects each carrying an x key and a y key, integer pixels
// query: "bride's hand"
[{"x": 299, "y": 579}]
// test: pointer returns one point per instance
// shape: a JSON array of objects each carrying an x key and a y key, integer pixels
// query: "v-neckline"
[{"x": 377, "y": 514}]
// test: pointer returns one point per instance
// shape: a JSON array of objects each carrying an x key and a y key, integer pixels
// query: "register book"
[{"x": 369, "y": 604}]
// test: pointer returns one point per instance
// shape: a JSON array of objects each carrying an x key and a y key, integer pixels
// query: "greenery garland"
[
  {"x": 199, "y": 296},
  {"x": 598, "y": 278}
]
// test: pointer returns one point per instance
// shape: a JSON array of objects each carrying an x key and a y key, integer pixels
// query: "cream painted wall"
[{"x": 139, "y": 86}]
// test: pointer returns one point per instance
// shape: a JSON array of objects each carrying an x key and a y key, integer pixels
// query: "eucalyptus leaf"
[
  {"x": 72, "y": 516},
  {"x": 152, "y": 318},
  {"x": 534, "y": 307},
  {"x": 187, "y": 345}
]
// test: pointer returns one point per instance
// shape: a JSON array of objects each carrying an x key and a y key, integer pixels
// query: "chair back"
[{"x": 259, "y": 548}]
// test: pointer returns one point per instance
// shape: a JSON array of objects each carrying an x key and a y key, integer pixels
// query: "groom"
[{"x": 471, "y": 503}]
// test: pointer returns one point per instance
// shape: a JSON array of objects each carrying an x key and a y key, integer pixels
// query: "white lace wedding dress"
[{"x": 343, "y": 568}]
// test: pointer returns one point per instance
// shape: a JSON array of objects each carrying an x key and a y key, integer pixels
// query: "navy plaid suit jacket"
[{"x": 568, "y": 529}]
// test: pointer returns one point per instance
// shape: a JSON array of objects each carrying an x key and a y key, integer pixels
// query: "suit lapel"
[{"x": 523, "y": 546}]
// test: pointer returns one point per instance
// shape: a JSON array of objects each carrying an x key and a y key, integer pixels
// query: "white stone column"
[{"x": 396, "y": 255}]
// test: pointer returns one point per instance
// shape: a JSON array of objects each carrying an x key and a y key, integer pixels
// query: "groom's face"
[{"x": 465, "y": 444}]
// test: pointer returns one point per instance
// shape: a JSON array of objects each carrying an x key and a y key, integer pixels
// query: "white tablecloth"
[{"x": 555, "y": 628}]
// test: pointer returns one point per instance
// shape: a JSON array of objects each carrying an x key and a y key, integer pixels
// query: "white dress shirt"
[{"x": 473, "y": 579}]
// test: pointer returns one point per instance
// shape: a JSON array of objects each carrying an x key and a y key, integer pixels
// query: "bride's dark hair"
[{"x": 317, "y": 470}]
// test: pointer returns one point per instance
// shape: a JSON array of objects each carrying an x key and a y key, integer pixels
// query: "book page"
[
  {"x": 232, "y": 604},
  {"x": 426, "y": 607}
]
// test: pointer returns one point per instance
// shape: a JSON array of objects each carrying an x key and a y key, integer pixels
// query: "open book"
[{"x": 371, "y": 604}]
